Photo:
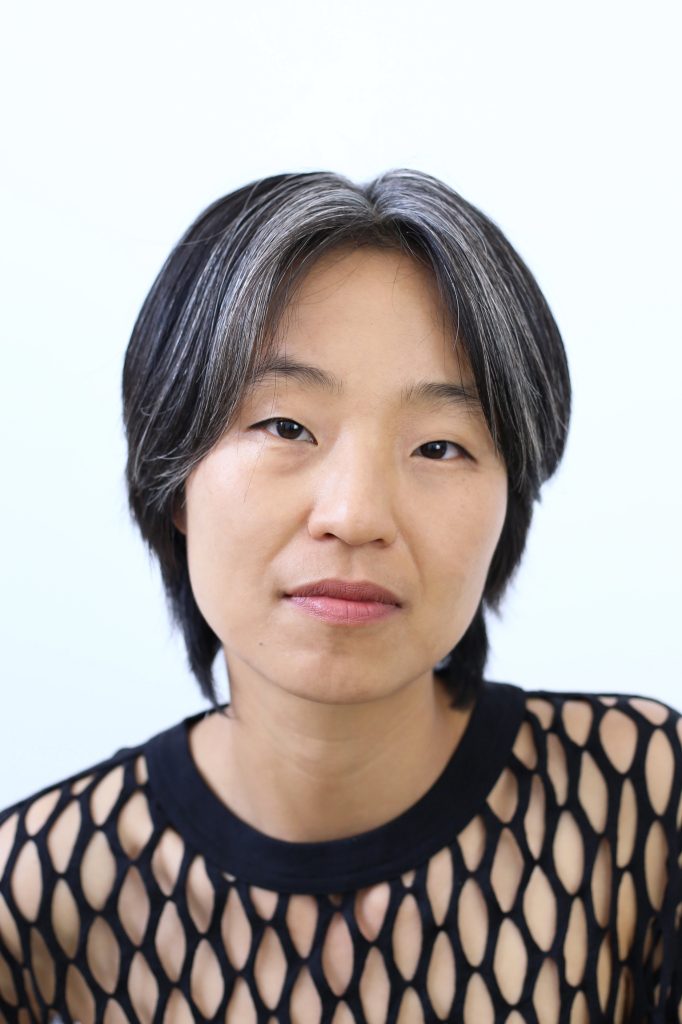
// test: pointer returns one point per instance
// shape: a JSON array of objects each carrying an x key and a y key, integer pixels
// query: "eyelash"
[{"x": 280, "y": 419}]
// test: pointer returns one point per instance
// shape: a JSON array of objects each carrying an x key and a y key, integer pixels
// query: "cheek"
[
  {"x": 492, "y": 518},
  {"x": 214, "y": 538},
  {"x": 464, "y": 535},
  {"x": 225, "y": 569},
  {"x": 232, "y": 539}
]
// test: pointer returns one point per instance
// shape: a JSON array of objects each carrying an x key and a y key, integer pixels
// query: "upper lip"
[{"x": 349, "y": 590}]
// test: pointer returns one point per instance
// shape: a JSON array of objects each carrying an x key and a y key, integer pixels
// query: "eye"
[
  {"x": 288, "y": 426},
  {"x": 438, "y": 447}
]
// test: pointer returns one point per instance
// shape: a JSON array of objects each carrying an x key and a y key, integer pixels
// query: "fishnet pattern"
[{"x": 560, "y": 901}]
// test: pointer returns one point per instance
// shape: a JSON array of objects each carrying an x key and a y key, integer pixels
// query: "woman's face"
[{"x": 350, "y": 482}]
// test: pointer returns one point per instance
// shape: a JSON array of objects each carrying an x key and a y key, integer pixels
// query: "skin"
[{"x": 334, "y": 730}]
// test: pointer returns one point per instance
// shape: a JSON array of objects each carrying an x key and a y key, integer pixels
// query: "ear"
[{"x": 179, "y": 516}]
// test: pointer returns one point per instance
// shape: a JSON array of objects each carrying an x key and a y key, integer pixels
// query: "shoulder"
[
  {"x": 36, "y": 809},
  {"x": 49, "y": 835},
  {"x": 623, "y": 727},
  {"x": 616, "y": 755}
]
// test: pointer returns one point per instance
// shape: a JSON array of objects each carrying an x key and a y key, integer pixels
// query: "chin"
[{"x": 339, "y": 687}]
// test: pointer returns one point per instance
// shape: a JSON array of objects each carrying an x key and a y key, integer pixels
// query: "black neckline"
[{"x": 332, "y": 866}]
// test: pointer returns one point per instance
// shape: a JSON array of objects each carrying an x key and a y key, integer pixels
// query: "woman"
[{"x": 341, "y": 402}]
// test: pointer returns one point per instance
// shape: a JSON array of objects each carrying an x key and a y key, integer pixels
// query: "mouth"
[
  {"x": 352, "y": 591},
  {"x": 341, "y": 611}
]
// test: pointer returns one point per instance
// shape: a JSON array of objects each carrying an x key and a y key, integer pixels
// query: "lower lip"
[{"x": 345, "y": 613}]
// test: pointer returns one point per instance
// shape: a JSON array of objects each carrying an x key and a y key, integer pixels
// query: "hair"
[{"x": 211, "y": 315}]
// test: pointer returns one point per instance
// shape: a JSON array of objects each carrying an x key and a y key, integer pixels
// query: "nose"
[{"x": 355, "y": 495}]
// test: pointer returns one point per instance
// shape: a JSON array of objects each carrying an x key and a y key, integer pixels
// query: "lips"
[{"x": 347, "y": 590}]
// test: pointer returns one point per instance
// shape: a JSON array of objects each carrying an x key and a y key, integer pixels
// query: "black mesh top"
[{"x": 539, "y": 879}]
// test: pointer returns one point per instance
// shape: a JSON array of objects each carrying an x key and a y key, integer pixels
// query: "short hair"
[{"x": 210, "y": 317}]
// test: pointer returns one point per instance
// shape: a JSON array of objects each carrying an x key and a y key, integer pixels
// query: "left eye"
[
  {"x": 440, "y": 446},
  {"x": 290, "y": 427}
]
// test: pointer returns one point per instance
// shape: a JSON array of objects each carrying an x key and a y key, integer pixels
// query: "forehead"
[
  {"x": 376, "y": 278},
  {"x": 370, "y": 321},
  {"x": 367, "y": 305}
]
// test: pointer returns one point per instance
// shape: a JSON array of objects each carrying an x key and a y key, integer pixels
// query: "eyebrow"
[{"x": 424, "y": 392}]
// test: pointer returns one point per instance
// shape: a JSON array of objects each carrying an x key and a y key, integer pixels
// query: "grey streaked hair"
[{"x": 209, "y": 322}]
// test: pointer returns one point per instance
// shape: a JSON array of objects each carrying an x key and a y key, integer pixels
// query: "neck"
[{"x": 306, "y": 771}]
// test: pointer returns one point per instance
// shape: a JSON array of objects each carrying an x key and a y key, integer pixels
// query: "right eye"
[{"x": 280, "y": 424}]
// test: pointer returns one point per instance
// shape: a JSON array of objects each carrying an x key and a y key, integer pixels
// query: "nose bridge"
[{"x": 356, "y": 490}]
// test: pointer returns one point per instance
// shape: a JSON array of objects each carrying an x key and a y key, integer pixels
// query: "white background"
[{"x": 122, "y": 122}]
